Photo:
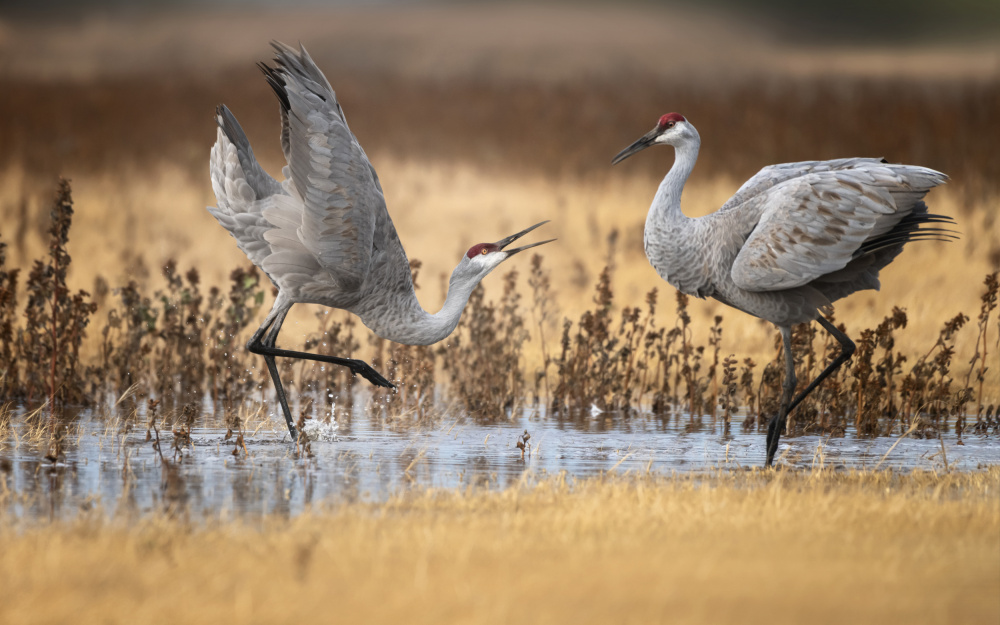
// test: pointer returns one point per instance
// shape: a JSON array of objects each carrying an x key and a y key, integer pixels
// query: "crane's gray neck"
[
  {"x": 443, "y": 322},
  {"x": 669, "y": 235},
  {"x": 408, "y": 323},
  {"x": 666, "y": 207}
]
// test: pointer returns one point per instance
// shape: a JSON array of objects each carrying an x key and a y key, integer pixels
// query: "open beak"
[
  {"x": 641, "y": 144},
  {"x": 503, "y": 243}
]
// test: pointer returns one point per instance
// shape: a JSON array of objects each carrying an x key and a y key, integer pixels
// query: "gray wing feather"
[
  {"x": 256, "y": 210},
  {"x": 324, "y": 232},
  {"x": 238, "y": 209},
  {"x": 262, "y": 184},
  {"x": 776, "y": 174},
  {"x": 815, "y": 217},
  {"x": 330, "y": 172}
]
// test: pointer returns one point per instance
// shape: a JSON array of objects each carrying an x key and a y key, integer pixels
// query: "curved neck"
[
  {"x": 666, "y": 207},
  {"x": 410, "y": 324},
  {"x": 669, "y": 235},
  {"x": 443, "y": 322}
]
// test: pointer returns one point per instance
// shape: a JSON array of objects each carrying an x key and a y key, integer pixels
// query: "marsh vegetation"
[{"x": 178, "y": 345}]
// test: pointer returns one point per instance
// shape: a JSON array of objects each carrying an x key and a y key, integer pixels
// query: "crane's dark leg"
[
  {"x": 847, "y": 348},
  {"x": 777, "y": 424},
  {"x": 358, "y": 367},
  {"x": 256, "y": 346},
  {"x": 267, "y": 349}
]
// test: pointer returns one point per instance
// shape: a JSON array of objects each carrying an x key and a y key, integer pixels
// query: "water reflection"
[{"x": 371, "y": 459}]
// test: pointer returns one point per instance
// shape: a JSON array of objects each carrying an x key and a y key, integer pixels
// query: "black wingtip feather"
[
  {"x": 901, "y": 238},
  {"x": 932, "y": 218},
  {"x": 909, "y": 229},
  {"x": 274, "y": 78},
  {"x": 294, "y": 63},
  {"x": 234, "y": 132}
]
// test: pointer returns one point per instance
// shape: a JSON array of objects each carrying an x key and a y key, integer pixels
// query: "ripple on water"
[{"x": 358, "y": 457}]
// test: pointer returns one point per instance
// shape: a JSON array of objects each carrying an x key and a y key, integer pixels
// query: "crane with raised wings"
[{"x": 323, "y": 235}]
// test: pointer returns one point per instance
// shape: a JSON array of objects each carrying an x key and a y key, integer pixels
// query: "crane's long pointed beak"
[
  {"x": 640, "y": 144},
  {"x": 526, "y": 247},
  {"x": 503, "y": 243}
]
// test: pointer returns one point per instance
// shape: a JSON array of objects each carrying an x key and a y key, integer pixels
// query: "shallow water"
[{"x": 361, "y": 458}]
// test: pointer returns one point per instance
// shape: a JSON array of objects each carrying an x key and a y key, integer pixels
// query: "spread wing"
[
  {"x": 240, "y": 184},
  {"x": 814, "y": 220},
  {"x": 341, "y": 196},
  {"x": 260, "y": 213}
]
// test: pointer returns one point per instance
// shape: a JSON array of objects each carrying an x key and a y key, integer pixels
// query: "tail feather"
[
  {"x": 924, "y": 234},
  {"x": 862, "y": 272},
  {"x": 910, "y": 228}
]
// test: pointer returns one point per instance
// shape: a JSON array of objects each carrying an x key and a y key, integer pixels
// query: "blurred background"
[{"x": 485, "y": 117}]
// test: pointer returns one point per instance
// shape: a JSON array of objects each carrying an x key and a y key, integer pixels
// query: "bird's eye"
[
  {"x": 670, "y": 124},
  {"x": 485, "y": 251}
]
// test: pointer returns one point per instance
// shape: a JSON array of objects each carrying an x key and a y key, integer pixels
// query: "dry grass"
[
  {"x": 775, "y": 547},
  {"x": 442, "y": 209}
]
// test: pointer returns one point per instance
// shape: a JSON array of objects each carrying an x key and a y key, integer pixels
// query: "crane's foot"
[{"x": 362, "y": 368}]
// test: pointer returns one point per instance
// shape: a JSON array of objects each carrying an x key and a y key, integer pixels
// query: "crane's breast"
[{"x": 683, "y": 266}]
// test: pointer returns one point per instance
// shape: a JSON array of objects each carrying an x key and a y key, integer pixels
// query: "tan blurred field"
[
  {"x": 754, "y": 547},
  {"x": 483, "y": 120}
]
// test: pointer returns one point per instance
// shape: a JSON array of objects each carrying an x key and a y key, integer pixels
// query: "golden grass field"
[{"x": 747, "y": 547}]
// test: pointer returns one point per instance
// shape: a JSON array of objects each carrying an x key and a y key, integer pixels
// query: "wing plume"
[{"x": 816, "y": 220}]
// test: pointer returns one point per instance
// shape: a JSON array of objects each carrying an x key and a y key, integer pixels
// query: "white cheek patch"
[{"x": 487, "y": 261}]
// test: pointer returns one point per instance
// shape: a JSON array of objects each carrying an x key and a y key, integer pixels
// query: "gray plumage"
[
  {"x": 792, "y": 240},
  {"x": 323, "y": 235}
]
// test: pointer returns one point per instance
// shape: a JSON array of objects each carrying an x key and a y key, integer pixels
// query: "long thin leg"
[
  {"x": 272, "y": 334},
  {"x": 358, "y": 367},
  {"x": 267, "y": 349},
  {"x": 256, "y": 346},
  {"x": 847, "y": 348},
  {"x": 777, "y": 424},
  {"x": 272, "y": 367}
]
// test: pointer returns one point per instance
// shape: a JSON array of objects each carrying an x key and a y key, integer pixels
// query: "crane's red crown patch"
[
  {"x": 670, "y": 117},
  {"x": 481, "y": 248}
]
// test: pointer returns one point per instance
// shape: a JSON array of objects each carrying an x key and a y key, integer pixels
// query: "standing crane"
[
  {"x": 323, "y": 235},
  {"x": 793, "y": 239}
]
